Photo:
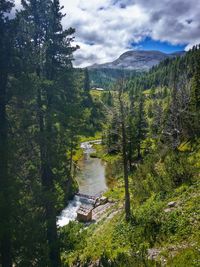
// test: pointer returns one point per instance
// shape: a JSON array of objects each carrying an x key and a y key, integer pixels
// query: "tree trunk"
[
  {"x": 71, "y": 158},
  {"x": 126, "y": 181},
  {"x": 139, "y": 156},
  {"x": 125, "y": 159},
  {"x": 48, "y": 188},
  {"x": 130, "y": 157},
  {"x": 50, "y": 213},
  {"x": 5, "y": 206}
]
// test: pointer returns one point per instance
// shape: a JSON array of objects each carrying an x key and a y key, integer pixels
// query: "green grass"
[
  {"x": 96, "y": 95},
  {"x": 174, "y": 233},
  {"x": 97, "y": 136},
  {"x": 78, "y": 155},
  {"x": 79, "y": 151}
]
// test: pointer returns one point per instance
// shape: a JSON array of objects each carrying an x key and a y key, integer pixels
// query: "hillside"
[
  {"x": 161, "y": 124},
  {"x": 139, "y": 60},
  {"x": 105, "y": 78},
  {"x": 129, "y": 64}
]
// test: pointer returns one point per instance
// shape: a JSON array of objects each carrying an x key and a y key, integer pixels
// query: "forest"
[
  {"x": 149, "y": 127},
  {"x": 106, "y": 78}
]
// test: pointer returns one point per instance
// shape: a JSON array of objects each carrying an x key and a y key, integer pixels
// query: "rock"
[
  {"x": 153, "y": 253},
  {"x": 167, "y": 210},
  {"x": 97, "y": 203},
  {"x": 103, "y": 200},
  {"x": 172, "y": 204},
  {"x": 136, "y": 60}
]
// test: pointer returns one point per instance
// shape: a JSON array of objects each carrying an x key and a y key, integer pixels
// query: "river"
[{"x": 91, "y": 180}]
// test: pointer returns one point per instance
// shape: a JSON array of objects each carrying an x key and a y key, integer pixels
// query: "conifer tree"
[
  {"x": 5, "y": 183},
  {"x": 194, "y": 105},
  {"x": 49, "y": 56},
  {"x": 86, "y": 80},
  {"x": 140, "y": 125},
  {"x": 124, "y": 149}
]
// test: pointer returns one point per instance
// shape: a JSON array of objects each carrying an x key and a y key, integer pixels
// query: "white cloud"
[{"x": 106, "y": 28}]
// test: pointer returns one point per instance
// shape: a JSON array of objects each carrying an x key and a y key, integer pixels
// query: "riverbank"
[
  {"x": 78, "y": 153},
  {"x": 164, "y": 230},
  {"x": 112, "y": 240},
  {"x": 91, "y": 179}
]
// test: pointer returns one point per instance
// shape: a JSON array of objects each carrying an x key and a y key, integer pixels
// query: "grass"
[
  {"x": 97, "y": 136},
  {"x": 96, "y": 95},
  {"x": 174, "y": 233},
  {"x": 78, "y": 155}
]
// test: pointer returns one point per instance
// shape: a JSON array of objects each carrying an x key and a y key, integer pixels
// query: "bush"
[
  {"x": 72, "y": 237},
  {"x": 179, "y": 169}
]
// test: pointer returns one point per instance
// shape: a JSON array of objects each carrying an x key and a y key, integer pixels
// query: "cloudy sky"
[{"x": 107, "y": 28}]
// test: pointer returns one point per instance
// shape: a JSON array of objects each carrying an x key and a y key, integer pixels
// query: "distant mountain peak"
[{"x": 140, "y": 60}]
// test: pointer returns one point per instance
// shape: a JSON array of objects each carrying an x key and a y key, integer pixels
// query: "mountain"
[
  {"x": 130, "y": 63},
  {"x": 136, "y": 60}
]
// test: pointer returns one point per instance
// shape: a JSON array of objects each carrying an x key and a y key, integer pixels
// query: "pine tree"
[
  {"x": 140, "y": 125},
  {"x": 193, "y": 112},
  {"x": 124, "y": 149},
  {"x": 5, "y": 183},
  {"x": 86, "y": 80},
  {"x": 49, "y": 56},
  {"x": 132, "y": 128}
]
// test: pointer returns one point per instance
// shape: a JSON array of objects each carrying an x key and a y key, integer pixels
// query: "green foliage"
[
  {"x": 179, "y": 169},
  {"x": 186, "y": 257},
  {"x": 46, "y": 105},
  {"x": 171, "y": 92},
  {"x": 43, "y": 106},
  {"x": 72, "y": 237},
  {"x": 157, "y": 176},
  {"x": 173, "y": 232},
  {"x": 106, "y": 78}
]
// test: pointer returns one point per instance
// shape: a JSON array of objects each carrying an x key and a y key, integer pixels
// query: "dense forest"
[
  {"x": 42, "y": 100},
  {"x": 106, "y": 78},
  {"x": 149, "y": 125}
]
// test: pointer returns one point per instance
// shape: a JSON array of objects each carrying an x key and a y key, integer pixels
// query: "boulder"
[
  {"x": 172, "y": 204},
  {"x": 153, "y": 253},
  {"x": 103, "y": 200},
  {"x": 97, "y": 203}
]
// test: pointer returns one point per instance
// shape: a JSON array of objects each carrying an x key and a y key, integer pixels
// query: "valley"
[{"x": 99, "y": 148}]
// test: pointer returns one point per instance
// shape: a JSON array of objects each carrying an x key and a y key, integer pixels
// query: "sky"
[{"x": 107, "y": 28}]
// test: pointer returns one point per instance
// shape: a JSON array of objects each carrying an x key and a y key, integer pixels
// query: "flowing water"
[{"x": 91, "y": 180}]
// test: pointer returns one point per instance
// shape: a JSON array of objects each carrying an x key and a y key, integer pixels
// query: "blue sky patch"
[{"x": 150, "y": 44}]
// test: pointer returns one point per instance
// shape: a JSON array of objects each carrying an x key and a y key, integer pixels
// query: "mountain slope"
[
  {"x": 136, "y": 60},
  {"x": 129, "y": 64}
]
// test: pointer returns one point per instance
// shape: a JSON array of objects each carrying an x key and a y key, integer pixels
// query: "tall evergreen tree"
[
  {"x": 87, "y": 99},
  {"x": 140, "y": 125},
  {"x": 50, "y": 55},
  {"x": 5, "y": 183},
  {"x": 86, "y": 80},
  {"x": 124, "y": 149},
  {"x": 193, "y": 117}
]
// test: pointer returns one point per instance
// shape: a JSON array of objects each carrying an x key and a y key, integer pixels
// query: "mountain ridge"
[{"x": 139, "y": 60}]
